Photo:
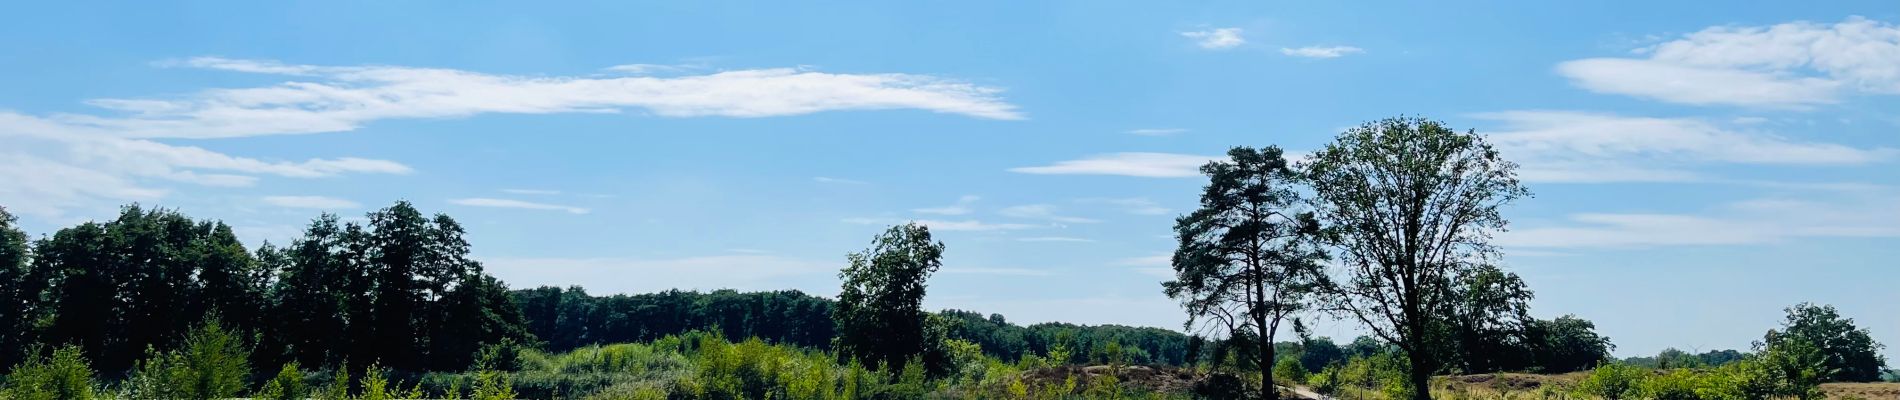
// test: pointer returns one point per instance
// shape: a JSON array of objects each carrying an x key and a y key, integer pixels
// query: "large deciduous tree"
[
  {"x": 1247, "y": 258},
  {"x": 1850, "y": 352},
  {"x": 1411, "y": 206},
  {"x": 880, "y": 317}
]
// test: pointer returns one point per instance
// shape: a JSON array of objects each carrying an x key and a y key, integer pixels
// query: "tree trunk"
[
  {"x": 1266, "y": 375},
  {"x": 1420, "y": 374}
]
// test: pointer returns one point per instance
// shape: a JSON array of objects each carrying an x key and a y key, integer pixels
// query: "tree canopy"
[
  {"x": 1850, "y": 353},
  {"x": 1248, "y": 257},
  {"x": 1410, "y": 206},
  {"x": 880, "y": 316}
]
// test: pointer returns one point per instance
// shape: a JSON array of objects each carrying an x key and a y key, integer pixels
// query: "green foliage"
[
  {"x": 492, "y": 385},
  {"x": 1248, "y": 257},
  {"x": 62, "y": 375},
  {"x": 1407, "y": 203},
  {"x": 212, "y": 364},
  {"x": 1289, "y": 370},
  {"x": 19, "y": 291},
  {"x": 287, "y": 385},
  {"x": 1850, "y": 352},
  {"x": 567, "y": 319},
  {"x": 1613, "y": 381},
  {"x": 880, "y": 315}
]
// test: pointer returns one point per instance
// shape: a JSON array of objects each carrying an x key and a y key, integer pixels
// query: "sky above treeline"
[{"x": 1698, "y": 166}]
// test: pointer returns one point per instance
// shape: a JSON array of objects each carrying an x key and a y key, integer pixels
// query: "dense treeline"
[
  {"x": 566, "y": 319},
  {"x": 398, "y": 290}
]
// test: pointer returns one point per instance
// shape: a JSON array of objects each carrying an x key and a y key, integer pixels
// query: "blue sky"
[{"x": 1697, "y": 166}]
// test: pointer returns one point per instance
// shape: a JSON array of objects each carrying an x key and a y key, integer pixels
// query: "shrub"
[
  {"x": 1289, "y": 370},
  {"x": 1614, "y": 381},
  {"x": 339, "y": 387},
  {"x": 287, "y": 385},
  {"x": 213, "y": 364},
  {"x": 63, "y": 375}
]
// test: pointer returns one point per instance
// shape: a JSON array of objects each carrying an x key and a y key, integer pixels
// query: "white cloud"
[
  {"x": 1793, "y": 64},
  {"x": 1041, "y": 211},
  {"x": 1157, "y": 131},
  {"x": 1216, "y": 39},
  {"x": 1133, "y": 205},
  {"x": 1150, "y": 165},
  {"x": 960, "y": 208},
  {"x": 507, "y": 203},
  {"x": 968, "y": 225},
  {"x": 317, "y": 202},
  {"x": 608, "y": 275},
  {"x": 973, "y": 225},
  {"x": 1321, "y": 51},
  {"x": 117, "y": 152},
  {"x": 57, "y": 166},
  {"x": 1157, "y": 260},
  {"x": 840, "y": 181},
  {"x": 332, "y": 99},
  {"x": 1565, "y": 146},
  {"x": 994, "y": 271},
  {"x": 544, "y": 192},
  {"x": 1696, "y": 85},
  {"x": 1755, "y": 221},
  {"x": 1054, "y": 239}
]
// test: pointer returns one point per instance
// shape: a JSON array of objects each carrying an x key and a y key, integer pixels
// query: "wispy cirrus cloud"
[
  {"x": 961, "y": 207},
  {"x": 342, "y": 98},
  {"x": 1321, "y": 51},
  {"x": 1790, "y": 65},
  {"x": 838, "y": 181},
  {"x": 1131, "y": 205},
  {"x": 1055, "y": 239},
  {"x": 1148, "y": 165},
  {"x": 1041, "y": 211},
  {"x": 967, "y": 225},
  {"x": 995, "y": 271},
  {"x": 1157, "y": 131},
  {"x": 510, "y": 203},
  {"x": 1838, "y": 214},
  {"x": 1580, "y": 147},
  {"x": 542, "y": 192},
  {"x": 314, "y": 202},
  {"x": 1217, "y": 38},
  {"x": 117, "y": 153}
]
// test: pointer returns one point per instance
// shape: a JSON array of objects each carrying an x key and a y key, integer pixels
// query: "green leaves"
[
  {"x": 879, "y": 316},
  {"x": 1410, "y": 206},
  {"x": 1849, "y": 353},
  {"x": 62, "y": 375}
]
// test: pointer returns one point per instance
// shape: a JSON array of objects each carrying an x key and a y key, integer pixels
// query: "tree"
[
  {"x": 19, "y": 292},
  {"x": 880, "y": 315},
  {"x": 1410, "y": 207},
  {"x": 1486, "y": 326},
  {"x": 1851, "y": 353},
  {"x": 1566, "y": 344},
  {"x": 1247, "y": 258},
  {"x": 310, "y": 294}
]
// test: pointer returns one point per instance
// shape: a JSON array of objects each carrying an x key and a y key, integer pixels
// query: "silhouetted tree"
[
  {"x": 880, "y": 313},
  {"x": 1247, "y": 257},
  {"x": 1410, "y": 205}
]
